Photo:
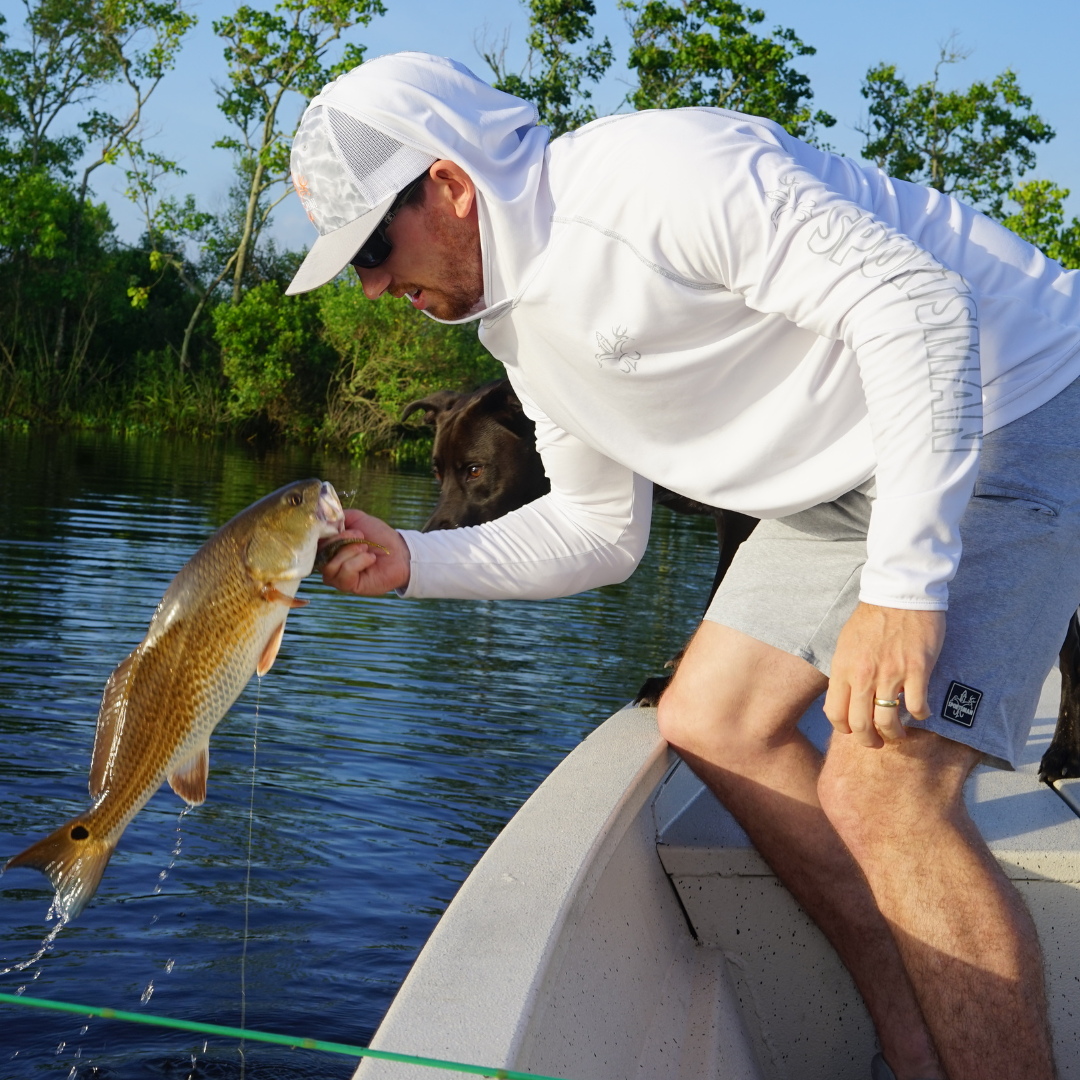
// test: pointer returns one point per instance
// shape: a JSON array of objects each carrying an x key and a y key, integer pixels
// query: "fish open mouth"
[{"x": 329, "y": 509}]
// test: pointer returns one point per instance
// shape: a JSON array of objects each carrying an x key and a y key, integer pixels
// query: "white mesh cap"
[{"x": 346, "y": 173}]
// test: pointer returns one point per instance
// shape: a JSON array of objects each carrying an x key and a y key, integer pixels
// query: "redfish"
[{"x": 220, "y": 622}]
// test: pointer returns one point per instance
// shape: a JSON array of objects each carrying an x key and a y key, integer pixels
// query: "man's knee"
[
  {"x": 697, "y": 722},
  {"x": 875, "y": 798},
  {"x": 732, "y": 695}
]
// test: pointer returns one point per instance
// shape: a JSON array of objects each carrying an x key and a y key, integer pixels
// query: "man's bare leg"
[
  {"x": 731, "y": 711},
  {"x": 968, "y": 941}
]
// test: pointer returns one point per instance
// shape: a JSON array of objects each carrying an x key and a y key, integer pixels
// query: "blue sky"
[{"x": 1040, "y": 46}]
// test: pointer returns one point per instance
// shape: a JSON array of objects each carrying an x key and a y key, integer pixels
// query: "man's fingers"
[
  {"x": 861, "y": 720},
  {"x": 836, "y": 706},
  {"x": 346, "y": 569},
  {"x": 887, "y": 717},
  {"x": 915, "y": 697}
]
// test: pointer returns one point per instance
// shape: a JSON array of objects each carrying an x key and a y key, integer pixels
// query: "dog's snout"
[{"x": 438, "y": 522}]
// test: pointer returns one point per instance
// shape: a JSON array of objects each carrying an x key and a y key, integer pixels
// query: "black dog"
[
  {"x": 487, "y": 465},
  {"x": 484, "y": 455}
]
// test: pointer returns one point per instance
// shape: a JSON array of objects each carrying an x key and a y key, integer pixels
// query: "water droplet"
[
  {"x": 84, "y": 1029},
  {"x": 169, "y": 966},
  {"x": 74, "y": 1072},
  {"x": 146, "y": 994},
  {"x": 163, "y": 875},
  {"x": 78, "y": 1053},
  {"x": 205, "y": 1045},
  {"x": 60, "y": 1048},
  {"x": 21, "y": 990},
  {"x": 157, "y": 889},
  {"x": 154, "y": 919}
]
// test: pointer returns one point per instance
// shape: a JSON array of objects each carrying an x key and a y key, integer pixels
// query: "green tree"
[
  {"x": 76, "y": 48},
  {"x": 1040, "y": 220},
  {"x": 388, "y": 355},
  {"x": 265, "y": 342},
  {"x": 336, "y": 366},
  {"x": 970, "y": 143},
  {"x": 272, "y": 54},
  {"x": 556, "y": 72},
  {"x": 706, "y": 52}
]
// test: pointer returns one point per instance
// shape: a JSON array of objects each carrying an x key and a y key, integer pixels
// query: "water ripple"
[{"x": 395, "y": 740}]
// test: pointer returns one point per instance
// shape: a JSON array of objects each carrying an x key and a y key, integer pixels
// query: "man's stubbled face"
[{"x": 436, "y": 260}]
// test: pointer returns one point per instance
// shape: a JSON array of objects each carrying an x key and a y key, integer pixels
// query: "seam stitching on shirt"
[{"x": 654, "y": 267}]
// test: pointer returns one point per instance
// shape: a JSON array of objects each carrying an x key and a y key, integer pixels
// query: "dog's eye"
[{"x": 473, "y": 471}]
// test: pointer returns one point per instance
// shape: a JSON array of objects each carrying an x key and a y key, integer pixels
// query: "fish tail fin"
[{"x": 73, "y": 859}]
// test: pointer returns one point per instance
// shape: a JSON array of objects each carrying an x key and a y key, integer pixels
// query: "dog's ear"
[
  {"x": 499, "y": 401},
  {"x": 434, "y": 405}
]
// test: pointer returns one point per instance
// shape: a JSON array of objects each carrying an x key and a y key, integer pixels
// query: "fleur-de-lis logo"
[
  {"x": 615, "y": 351},
  {"x": 788, "y": 199}
]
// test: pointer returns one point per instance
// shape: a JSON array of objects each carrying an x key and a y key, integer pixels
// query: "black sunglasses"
[{"x": 377, "y": 247}]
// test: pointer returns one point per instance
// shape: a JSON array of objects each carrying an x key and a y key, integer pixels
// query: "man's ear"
[{"x": 454, "y": 185}]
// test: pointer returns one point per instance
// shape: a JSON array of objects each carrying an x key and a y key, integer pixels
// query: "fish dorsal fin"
[
  {"x": 269, "y": 654},
  {"x": 110, "y": 721},
  {"x": 189, "y": 779}
]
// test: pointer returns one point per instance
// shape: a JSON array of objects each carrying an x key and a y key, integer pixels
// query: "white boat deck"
[{"x": 623, "y": 926}]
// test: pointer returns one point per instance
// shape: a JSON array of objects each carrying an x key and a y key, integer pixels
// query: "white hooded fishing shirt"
[{"x": 695, "y": 298}]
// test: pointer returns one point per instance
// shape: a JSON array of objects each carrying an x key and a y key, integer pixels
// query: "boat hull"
[{"x": 623, "y": 925}]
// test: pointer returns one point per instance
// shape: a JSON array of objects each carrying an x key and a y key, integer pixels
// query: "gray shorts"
[{"x": 795, "y": 582}]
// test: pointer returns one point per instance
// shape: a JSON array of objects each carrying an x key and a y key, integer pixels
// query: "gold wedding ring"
[{"x": 887, "y": 703}]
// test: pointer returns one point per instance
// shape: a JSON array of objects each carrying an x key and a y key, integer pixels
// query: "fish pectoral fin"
[
  {"x": 110, "y": 720},
  {"x": 189, "y": 780},
  {"x": 270, "y": 592},
  {"x": 269, "y": 654}
]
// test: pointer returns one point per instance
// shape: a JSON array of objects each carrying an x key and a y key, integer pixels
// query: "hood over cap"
[{"x": 363, "y": 133}]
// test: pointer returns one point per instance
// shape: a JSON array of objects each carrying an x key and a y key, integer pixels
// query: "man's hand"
[
  {"x": 364, "y": 570},
  {"x": 880, "y": 652}
]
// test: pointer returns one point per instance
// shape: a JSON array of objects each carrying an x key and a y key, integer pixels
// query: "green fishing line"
[{"x": 268, "y": 1037}]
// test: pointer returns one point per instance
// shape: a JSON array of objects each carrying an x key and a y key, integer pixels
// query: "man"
[{"x": 697, "y": 299}]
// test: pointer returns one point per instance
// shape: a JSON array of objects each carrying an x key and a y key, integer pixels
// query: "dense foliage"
[
  {"x": 971, "y": 143},
  {"x": 189, "y": 328},
  {"x": 706, "y": 52}
]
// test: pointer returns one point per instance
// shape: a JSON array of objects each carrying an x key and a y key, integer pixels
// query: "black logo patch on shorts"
[{"x": 961, "y": 704}]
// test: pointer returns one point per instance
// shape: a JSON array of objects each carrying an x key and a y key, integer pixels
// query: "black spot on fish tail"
[{"x": 73, "y": 860}]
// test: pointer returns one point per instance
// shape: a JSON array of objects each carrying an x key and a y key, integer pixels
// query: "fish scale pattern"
[
  {"x": 199, "y": 653},
  {"x": 217, "y": 618}
]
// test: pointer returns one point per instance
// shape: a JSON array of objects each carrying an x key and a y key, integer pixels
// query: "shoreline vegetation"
[
  {"x": 188, "y": 331},
  {"x": 328, "y": 368}
]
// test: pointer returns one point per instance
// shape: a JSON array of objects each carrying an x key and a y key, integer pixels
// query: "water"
[{"x": 396, "y": 738}]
